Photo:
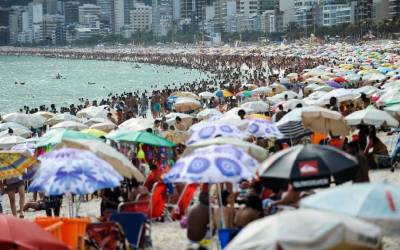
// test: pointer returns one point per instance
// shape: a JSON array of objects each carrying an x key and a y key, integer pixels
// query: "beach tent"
[
  {"x": 307, "y": 229},
  {"x": 371, "y": 116}
]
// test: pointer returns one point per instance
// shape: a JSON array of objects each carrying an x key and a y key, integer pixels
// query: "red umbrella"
[
  {"x": 26, "y": 235},
  {"x": 339, "y": 79}
]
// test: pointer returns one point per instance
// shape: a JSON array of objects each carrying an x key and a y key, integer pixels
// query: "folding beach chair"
[
  {"x": 158, "y": 201},
  {"x": 391, "y": 161},
  {"x": 226, "y": 235},
  {"x": 106, "y": 236},
  {"x": 133, "y": 225}
]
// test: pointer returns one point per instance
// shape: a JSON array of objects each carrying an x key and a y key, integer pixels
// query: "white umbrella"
[
  {"x": 307, "y": 229},
  {"x": 234, "y": 111},
  {"x": 281, "y": 96},
  {"x": 324, "y": 121},
  {"x": 70, "y": 125},
  {"x": 340, "y": 94},
  {"x": 206, "y": 95},
  {"x": 256, "y": 106},
  {"x": 371, "y": 116},
  {"x": 27, "y": 120},
  {"x": 92, "y": 112},
  {"x": 262, "y": 90},
  {"x": 95, "y": 120},
  {"x": 185, "y": 94},
  {"x": 12, "y": 125},
  {"x": 62, "y": 118},
  {"x": 47, "y": 115},
  {"x": 257, "y": 152},
  {"x": 105, "y": 126},
  {"x": 10, "y": 140},
  {"x": 207, "y": 113},
  {"x": 137, "y": 124},
  {"x": 17, "y": 131}
]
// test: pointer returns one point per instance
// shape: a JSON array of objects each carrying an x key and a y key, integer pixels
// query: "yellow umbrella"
[
  {"x": 258, "y": 116},
  {"x": 13, "y": 163},
  {"x": 226, "y": 93},
  {"x": 94, "y": 132}
]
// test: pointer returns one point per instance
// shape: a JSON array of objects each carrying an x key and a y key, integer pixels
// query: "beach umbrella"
[
  {"x": 58, "y": 118},
  {"x": 206, "y": 95},
  {"x": 307, "y": 229},
  {"x": 26, "y": 120},
  {"x": 211, "y": 130},
  {"x": 307, "y": 167},
  {"x": 24, "y": 234},
  {"x": 24, "y": 147},
  {"x": 339, "y": 79},
  {"x": 255, "y": 151},
  {"x": 371, "y": 116},
  {"x": 281, "y": 96},
  {"x": 18, "y": 132},
  {"x": 223, "y": 93},
  {"x": 13, "y": 163},
  {"x": 12, "y": 125},
  {"x": 256, "y": 106},
  {"x": 137, "y": 124},
  {"x": 376, "y": 202},
  {"x": 70, "y": 125},
  {"x": 263, "y": 129},
  {"x": 207, "y": 113},
  {"x": 245, "y": 93},
  {"x": 96, "y": 120},
  {"x": 293, "y": 130},
  {"x": 8, "y": 141},
  {"x": 46, "y": 114},
  {"x": 106, "y": 126},
  {"x": 234, "y": 111},
  {"x": 176, "y": 136},
  {"x": 292, "y": 76},
  {"x": 340, "y": 94},
  {"x": 185, "y": 104},
  {"x": 333, "y": 84},
  {"x": 261, "y": 90},
  {"x": 374, "y": 77},
  {"x": 289, "y": 104},
  {"x": 258, "y": 116},
  {"x": 368, "y": 90},
  {"x": 315, "y": 80},
  {"x": 140, "y": 137},
  {"x": 325, "y": 88},
  {"x": 73, "y": 171},
  {"x": 213, "y": 164},
  {"x": 94, "y": 132},
  {"x": 116, "y": 159},
  {"x": 92, "y": 111},
  {"x": 185, "y": 94},
  {"x": 278, "y": 87},
  {"x": 389, "y": 97},
  {"x": 54, "y": 137},
  {"x": 324, "y": 121}
]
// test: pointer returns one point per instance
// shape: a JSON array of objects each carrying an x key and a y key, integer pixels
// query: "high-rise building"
[
  {"x": 364, "y": 11},
  {"x": 141, "y": 18},
  {"x": 336, "y": 12},
  {"x": 118, "y": 16},
  {"x": 306, "y": 13},
  {"x": 4, "y": 26},
  {"x": 53, "y": 29},
  {"x": 106, "y": 11},
  {"x": 88, "y": 9},
  {"x": 37, "y": 21},
  {"x": 249, "y": 7},
  {"x": 162, "y": 17},
  {"x": 71, "y": 11},
  {"x": 394, "y": 8},
  {"x": 15, "y": 22},
  {"x": 264, "y": 5},
  {"x": 193, "y": 11}
]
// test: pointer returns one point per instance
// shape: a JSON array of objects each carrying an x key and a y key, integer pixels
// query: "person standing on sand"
[
  {"x": 12, "y": 186},
  {"x": 144, "y": 103}
]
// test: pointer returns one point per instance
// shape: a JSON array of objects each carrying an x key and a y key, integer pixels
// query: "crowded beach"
[{"x": 288, "y": 146}]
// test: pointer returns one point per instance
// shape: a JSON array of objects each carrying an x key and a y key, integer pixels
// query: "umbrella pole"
[
  {"x": 221, "y": 206},
  {"x": 210, "y": 214}
]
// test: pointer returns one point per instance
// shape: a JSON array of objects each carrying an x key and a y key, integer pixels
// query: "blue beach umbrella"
[
  {"x": 211, "y": 130},
  {"x": 263, "y": 129},
  {"x": 73, "y": 171},
  {"x": 213, "y": 164},
  {"x": 375, "y": 202}
]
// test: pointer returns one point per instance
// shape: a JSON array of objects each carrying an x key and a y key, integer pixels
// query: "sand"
[{"x": 169, "y": 235}]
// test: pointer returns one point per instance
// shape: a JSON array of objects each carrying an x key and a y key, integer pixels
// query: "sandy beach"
[{"x": 169, "y": 235}]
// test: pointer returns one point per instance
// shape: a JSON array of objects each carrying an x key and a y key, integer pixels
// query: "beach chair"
[
  {"x": 179, "y": 208},
  {"x": 105, "y": 235},
  {"x": 133, "y": 225},
  {"x": 226, "y": 235},
  {"x": 108, "y": 213},
  {"x": 158, "y": 200},
  {"x": 391, "y": 161}
]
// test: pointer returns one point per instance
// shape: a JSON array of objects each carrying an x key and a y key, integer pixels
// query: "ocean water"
[{"x": 42, "y": 87}]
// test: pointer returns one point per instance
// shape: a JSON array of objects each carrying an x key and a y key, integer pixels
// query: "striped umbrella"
[
  {"x": 13, "y": 163},
  {"x": 293, "y": 130}
]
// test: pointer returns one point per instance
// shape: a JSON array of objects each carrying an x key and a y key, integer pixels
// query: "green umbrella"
[
  {"x": 141, "y": 137},
  {"x": 54, "y": 137}
]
